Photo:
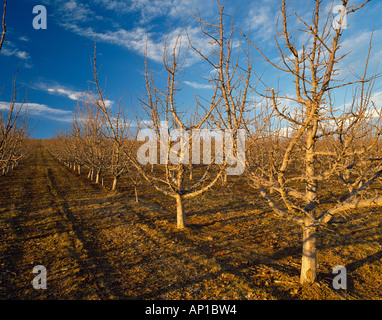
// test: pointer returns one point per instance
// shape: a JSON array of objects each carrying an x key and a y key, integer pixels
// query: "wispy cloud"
[
  {"x": 64, "y": 92},
  {"x": 24, "y": 38},
  {"x": 357, "y": 44},
  {"x": 262, "y": 20},
  {"x": 81, "y": 18},
  {"x": 115, "y": 5},
  {"x": 377, "y": 99},
  {"x": 75, "y": 11},
  {"x": 60, "y": 90},
  {"x": 140, "y": 40},
  {"x": 196, "y": 85},
  {"x": 10, "y": 49},
  {"x": 41, "y": 110},
  {"x": 149, "y": 10},
  {"x": 56, "y": 89}
]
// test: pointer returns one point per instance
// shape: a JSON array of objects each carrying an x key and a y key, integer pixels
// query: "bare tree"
[
  {"x": 232, "y": 68},
  {"x": 13, "y": 122},
  {"x": 117, "y": 162},
  {"x": 13, "y": 130},
  {"x": 88, "y": 133},
  {"x": 161, "y": 107},
  {"x": 316, "y": 146},
  {"x": 61, "y": 147}
]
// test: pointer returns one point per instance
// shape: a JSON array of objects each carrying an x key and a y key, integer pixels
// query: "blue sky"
[{"x": 56, "y": 63}]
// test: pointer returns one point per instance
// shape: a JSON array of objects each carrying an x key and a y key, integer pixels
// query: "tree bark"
[
  {"x": 180, "y": 215},
  {"x": 309, "y": 249},
  {"x": 98, "y": 176},
  {"x": 309, "y": 253},
  {"x": 115, "y": 181}
]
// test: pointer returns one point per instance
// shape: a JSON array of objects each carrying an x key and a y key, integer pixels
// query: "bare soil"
[{"x": 98, "y": 244}]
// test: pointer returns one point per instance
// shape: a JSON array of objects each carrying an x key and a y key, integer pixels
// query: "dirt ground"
[{"x": 98, "y": 244}]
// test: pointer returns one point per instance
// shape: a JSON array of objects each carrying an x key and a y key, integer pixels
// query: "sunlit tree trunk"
[{"x": 180, "y": 215}]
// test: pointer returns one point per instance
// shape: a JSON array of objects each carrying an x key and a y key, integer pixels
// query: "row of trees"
[
  {"x": 297, "y": 144},
  {"x": 13, "y": 123},
  {"x": 89, "y": 143},
  {"x": 13, "y": 135}
]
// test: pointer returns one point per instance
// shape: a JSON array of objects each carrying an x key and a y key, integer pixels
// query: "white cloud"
[
  {"x": 80, "y": 18},
  {"x": 24, "y": 38},
  {"x": 9, "y": 49},
  {"x": 73, "y": 95},
  {"x": 376, "y": 98},
  {"x": 70, "y": 94},
  {"x": 115, "y": 5},
  {"x": 139, "y": 39},
  {"x": 196, "y": 85},
  {"x": 357, "y": 44},
  {"x": 74, "y": 11},
  {"x": 262, "y": 20},
  {"x": 152, "y": 9},
  {"x": 41, "y": 110}
]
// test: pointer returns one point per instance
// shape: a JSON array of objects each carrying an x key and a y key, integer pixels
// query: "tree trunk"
[
  {"x": 115, "y": 181},
  {"x": 271, "y": 180},
  {"x": 309, "y": 253},
  {"x": 309, "y": 249},
  {"x": 180, "y": 216},
  {"x": 79, "y": 169},
  {"x": 98, "y": 176}
]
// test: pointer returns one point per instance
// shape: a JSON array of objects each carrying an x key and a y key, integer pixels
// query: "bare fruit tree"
[
  {"x": 88, "y": 136},
  {"x": 232, "y": 69},
  {"x": 13, "y": 122},
  {"x": 318, "y": 157},
  {"x": 116, "y": 162},
  {"x": 172, "y": 130},
  {"x": 13, "y": 131}
]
